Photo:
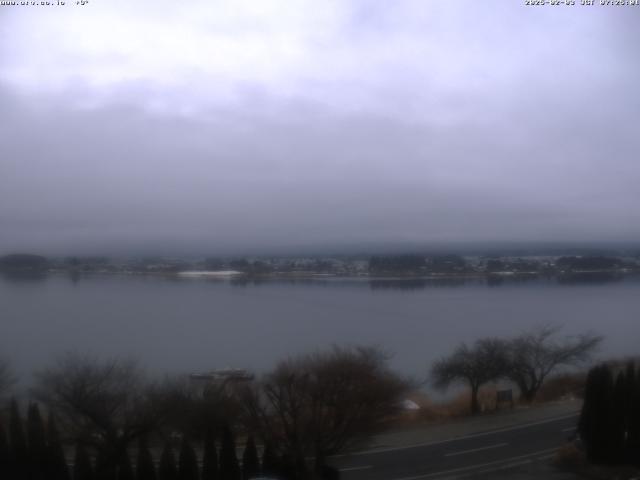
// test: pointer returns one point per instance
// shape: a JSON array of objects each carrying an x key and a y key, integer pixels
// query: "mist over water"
[{"x": 182, "y": 326}]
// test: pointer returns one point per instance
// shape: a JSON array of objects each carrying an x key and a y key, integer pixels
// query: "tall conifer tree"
[
  {"x": 633, "y": 441},
  {"x": 105, "y": 467},
  {"x": 630, "y": 395},
  {"x": 210, "y": 469},
  {"x": 82, "y": 468},
  {"x": 19, "y": 452},
  {"x": 146, "y": 469},
  {"x": 5, "y": 454},
  {"x": 594, "y": 423},
  {"x": 250, "y": 463},
  {"x": 188, "y": 461},
  {"x": 56, "y": 460},
  {"x": 125, "y": 470},
  {"x": 270, "y": 465},
  {"x": 229, "y": 468},
  {"x": 167, "y": 469},
  {"x": 37, "y": 444},
  {"x": 617, "y": 428}
]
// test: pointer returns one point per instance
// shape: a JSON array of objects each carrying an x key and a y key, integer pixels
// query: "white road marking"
[
  {"x": 496, "y": 469},
  {"x": 546, "y": 457},
  {"x": 455, "y": 439},
  {"x": 512, "y": 461},
  {"x": 455, "y": 454},
  {"x": 506, "y": 466},
  {"x": 351, "y": 469}
]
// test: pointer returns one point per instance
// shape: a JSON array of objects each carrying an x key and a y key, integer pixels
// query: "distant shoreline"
[{"x": 237, "y": 275}]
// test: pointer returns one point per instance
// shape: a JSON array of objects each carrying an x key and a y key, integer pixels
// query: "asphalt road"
[{"x": 463, "y": 456}]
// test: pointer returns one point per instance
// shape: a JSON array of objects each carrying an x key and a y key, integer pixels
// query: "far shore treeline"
[{"x": 395, "y": 265}]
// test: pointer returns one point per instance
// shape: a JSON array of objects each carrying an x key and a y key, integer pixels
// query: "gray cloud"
[{"x": 417, "y": 123}]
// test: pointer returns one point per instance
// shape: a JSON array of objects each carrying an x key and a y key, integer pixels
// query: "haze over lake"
[{"x": 174, "y": 325}]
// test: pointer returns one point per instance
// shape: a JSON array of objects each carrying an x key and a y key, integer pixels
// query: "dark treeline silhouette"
[
  {"x": 124, "y": 425},
  {"x": 397, "y": 264},
  {"x": 419, "y": 283},
  {"x": 32, "y": 449},
  {"x": 446, "y": 264},
  {"x": 23, "y": 262},
  {"x": 609, "y": 424},
  {"x": 417, "y": 264},
  {"x": 495, "y": 265},
  {"x": 588, "y": 263},
  {"x": 586, "y": 278}
]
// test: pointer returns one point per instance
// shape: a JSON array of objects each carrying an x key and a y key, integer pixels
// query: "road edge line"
[
  {"x": 471, "y": 468},
  {"x": 454, "y": 439}
]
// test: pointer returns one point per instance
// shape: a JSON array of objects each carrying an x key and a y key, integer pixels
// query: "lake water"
[{"x": 178, "y": 325}]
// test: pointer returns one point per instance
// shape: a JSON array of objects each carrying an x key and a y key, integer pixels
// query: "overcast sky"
[{"x": 218, "y": 126}]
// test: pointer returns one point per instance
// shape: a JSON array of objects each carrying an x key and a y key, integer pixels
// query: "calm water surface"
[{"x": 191, "y": 325}]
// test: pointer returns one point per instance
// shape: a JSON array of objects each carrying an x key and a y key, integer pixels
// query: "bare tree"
[
  {"x": 537, "y": 353},
  {"x": 475, "y": 365},
  {"x": 321, "y": 404},
  {"x": 105, "y": 404},
  {"x": 193, "y": 410},
  {"x": 6, "y": 377}
]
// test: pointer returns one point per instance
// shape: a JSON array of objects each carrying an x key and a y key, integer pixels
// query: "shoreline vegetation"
[
  {"x": 406, "y": 267},
  {"x": 180, "y": 414},
  {"x": 308, "y": 408}
]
